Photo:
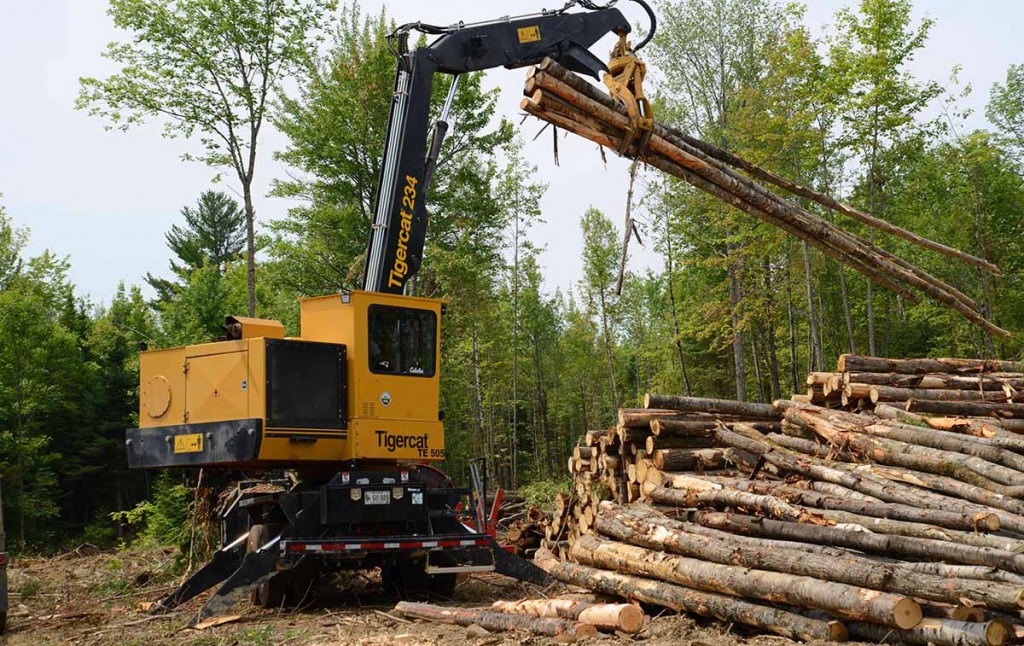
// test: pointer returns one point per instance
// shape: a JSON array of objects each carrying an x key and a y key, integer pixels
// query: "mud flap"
[
  {"x": 518, "y": 568},
  {"x": 256, "y": 568},
  {"x": 220, "y": 567}
]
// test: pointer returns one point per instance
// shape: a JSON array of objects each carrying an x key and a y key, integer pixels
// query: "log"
[
  {"x": 835, "y": 205},
  {"x": 897, "y": 394},
  {"x": 666, "y": 427},
  {"x": 655, "y": 443},
  {"x": 858, "y": 363},
  {"x": 983, "y": 381},
  {"x": 642, "y": 417},
  {"x": 622, "y": 617},
  {"x": 953, "y": 571},
  {"x": 681, "y": 599},
  {"x": 593, "y": 438},
  {"x": 879, "y": 481},
  {"x": 646, "y": 528},
  {"x": 959, "y": 520},
  {"x": 779, "y": 509},
  {"x": 905, "y": 546},
  {"x": 689, "y": 459},
  {"x": 966, "y": 468},
  {"x": 1001, "y": 451},
  {"x": 496, "y": 621},
  {"x": 701, "y": 405},
  {"x": 938, "y": 632},
  {"x": 968, "y": 409},
  {"x": 668, "y": 152},
  {"x": 843, "y": 600}
]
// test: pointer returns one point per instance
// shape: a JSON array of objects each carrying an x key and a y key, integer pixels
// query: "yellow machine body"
[{"x": 361, "y": 382}]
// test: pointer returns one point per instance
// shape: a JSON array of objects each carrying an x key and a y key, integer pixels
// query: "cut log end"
[{"x": 907, "y": 613}]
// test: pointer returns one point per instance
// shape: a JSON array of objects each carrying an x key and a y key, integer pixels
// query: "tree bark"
[
  {"x": 706, "y": 604},
  {"x": 623, "y": 617},
  {"x": 689, "y": 459},
  {"x": 847, "y": 601},
  {"x": 888, "y": 544},
  {"x": 895, "y": 394},
  {"x": 497, "y": 621},
  {"x": 668, "y": 152},
  {"x": 937, "y": 632},
  {"x": 959, "y": 520},
  {"x": 713, "y": 406},
  {"x": 649, "y": 529},
  {"x": 970, "y": 409},
  {"x": 857, "y": 363}
]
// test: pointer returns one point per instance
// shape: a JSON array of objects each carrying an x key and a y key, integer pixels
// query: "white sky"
[{"x": 105, "y": 198}]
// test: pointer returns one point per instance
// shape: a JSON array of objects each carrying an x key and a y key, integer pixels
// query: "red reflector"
[
  {"x": 297, "y": 547},
  {"x": 3, "y": 559}
]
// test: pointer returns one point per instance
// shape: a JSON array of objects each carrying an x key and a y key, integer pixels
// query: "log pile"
[
  {"x": 814, "y": 518},
  {"x": 556, "y": 95},
  {"x": 671, "y": 436}
]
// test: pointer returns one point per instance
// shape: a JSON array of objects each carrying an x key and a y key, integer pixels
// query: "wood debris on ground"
[{"x": 886, "y": 504}]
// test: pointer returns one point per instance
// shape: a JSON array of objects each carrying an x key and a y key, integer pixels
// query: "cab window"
[{"x": 403, "y": 341}]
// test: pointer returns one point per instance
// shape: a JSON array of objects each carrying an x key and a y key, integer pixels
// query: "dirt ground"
[{"x": 97, "y": 598}]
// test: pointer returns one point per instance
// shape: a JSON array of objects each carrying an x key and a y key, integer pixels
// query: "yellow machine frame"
[{"x": 207, "y": 405}]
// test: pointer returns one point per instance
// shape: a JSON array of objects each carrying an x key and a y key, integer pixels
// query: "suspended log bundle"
[
  {"x": 556, "y": 95},
  {"x": 860, "y": 518}
]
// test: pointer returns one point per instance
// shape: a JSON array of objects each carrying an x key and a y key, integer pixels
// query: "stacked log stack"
[
  {"x": 816, "y": 521},
  {"x": 670, "y": 437}
]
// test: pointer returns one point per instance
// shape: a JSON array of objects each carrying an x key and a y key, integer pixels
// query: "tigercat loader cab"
[{"x": 361, "y": 382}]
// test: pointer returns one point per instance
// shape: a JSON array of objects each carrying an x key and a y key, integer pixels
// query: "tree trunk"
[
  {"x": 675, "y": 312},
  {"x": 969, "y": 522},
  {"x": 937, "y": 632},
  {"x": 815, "y": 359},
  {"x": 855, "y": 363},
  {"x": 623, "y": 617},
  {"x": 706, "y": 604},
  {"x": 712, "y": 406},
  {"x": 843, "y": 600},
  {"x": 649, "y": 529},
  {"x": 887, "y": 544},
  {"x": 496, "y": 621},
  {"x": 250, "y": 240},
  {"x": 735, "y": 302}
]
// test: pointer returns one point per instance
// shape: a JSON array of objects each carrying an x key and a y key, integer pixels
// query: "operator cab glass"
[{"x": 403, "y": 341}]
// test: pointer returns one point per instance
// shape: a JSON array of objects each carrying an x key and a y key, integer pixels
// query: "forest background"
[{"x": 735, "y": 309}]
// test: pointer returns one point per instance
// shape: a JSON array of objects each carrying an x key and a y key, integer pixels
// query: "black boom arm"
[{"x": 400, "y": 222}]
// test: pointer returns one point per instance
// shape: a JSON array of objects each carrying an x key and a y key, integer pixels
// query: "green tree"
[
  {"x": 214, "y": 234},
  {"x": 1006, "y": 107},
  {"x": 600, "y": 268},
  {"x": 869, "y": 56},
  {"x": 207, "y": 68},
  {"x": 336, "y": 125}
]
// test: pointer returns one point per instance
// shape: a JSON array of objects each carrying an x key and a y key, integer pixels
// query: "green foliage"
[
  {"x": 1006, "y": 108},
  {"x": 214, "y": 234},
  {"x": 541, "y": 493},
  {"x": 164, "y": 518}
]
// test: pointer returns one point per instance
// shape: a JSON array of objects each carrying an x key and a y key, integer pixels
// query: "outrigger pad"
[
  {"x": 256, "y": 568},
  {"x": 219, "y": 568},
  {"x": 519, "y": 568}
]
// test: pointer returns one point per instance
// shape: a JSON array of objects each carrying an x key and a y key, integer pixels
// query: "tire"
[{"x": 3, "y": 622}]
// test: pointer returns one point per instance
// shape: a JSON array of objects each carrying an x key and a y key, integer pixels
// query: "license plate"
[
  {"x": 377, "y": 497},
  {"x": 192, "y": 443}
]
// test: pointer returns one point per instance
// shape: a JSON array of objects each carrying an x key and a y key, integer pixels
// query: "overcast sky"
[{"x": 105, "y": 198}]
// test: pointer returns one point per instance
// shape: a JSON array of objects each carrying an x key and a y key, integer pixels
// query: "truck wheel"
[
  {"x": 3, "y": 622},
  {"x": 271, "y": 593}
]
